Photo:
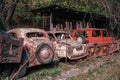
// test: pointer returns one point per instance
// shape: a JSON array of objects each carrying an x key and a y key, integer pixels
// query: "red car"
[
  {"x": 92, "y": 35},
  {"x": 98, "y": 40}
]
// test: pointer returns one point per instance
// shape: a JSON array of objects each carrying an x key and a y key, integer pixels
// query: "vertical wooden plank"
[
  {"x": 33, "y": 22},
  {"x": 84, "y": 24},
  {"x": 67, "y": 26},
  {"x": 81, "y": 26},
  {"x": 77, "y": 26},
  {"x": 51, "y": 21},
  {"x": 43, "y": 23},
  {"x": 70, "y": 26},
  {"x": 87, "y": 24}
]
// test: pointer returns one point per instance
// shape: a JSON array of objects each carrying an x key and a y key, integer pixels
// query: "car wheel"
[
  {"x": 44, "y": 54},
  {"x": 7, "y": 70},
  {"x": 81, "y": 39},
  {"x": 24, "y": 68},
  {"x": 22, "y": 72},
  {"x": 0, "y": 69}
]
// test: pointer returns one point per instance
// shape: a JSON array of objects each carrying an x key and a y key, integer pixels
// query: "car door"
[
  {"x": 16, "y": 46},
  {"x": 96, "y": 37},
  {"x": 106, "y": 37}
]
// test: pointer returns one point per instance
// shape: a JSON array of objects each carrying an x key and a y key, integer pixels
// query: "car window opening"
[
  {"x": 34, "y": 34},
  {"x": 96, "y": 33},
  {"x": 83, "y": 33}
]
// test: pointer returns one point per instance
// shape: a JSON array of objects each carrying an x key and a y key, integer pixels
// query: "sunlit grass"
[
  {"x": 109, "y": 71},
  {"x": 44, "y": 73}
]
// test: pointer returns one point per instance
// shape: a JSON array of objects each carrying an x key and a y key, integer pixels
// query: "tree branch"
[{"x": 8, "y": 13}]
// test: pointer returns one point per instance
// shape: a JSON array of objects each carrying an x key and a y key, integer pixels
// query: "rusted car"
[
  {"x": 92, "y": 35},
  {"x": 10, "y": 53},
  {"x": 65, "y": 47},
  {"x": 9, "y": 48},
  {"x": 99, "y": 40},
  {"x": 37, "y": 45}
]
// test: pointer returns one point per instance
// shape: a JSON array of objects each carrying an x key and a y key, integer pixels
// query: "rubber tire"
[
  {"x": 83, "y": 39},
  {"x": 39, "y": 58},
  {"x": 24, "y": 69},
  {"x": 7, "y": 70},
  {"x": 0, "y": 69},
  {"x": 22, "y": 72}
]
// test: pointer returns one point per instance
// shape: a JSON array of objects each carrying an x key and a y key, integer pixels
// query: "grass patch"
[
  {"x": 55, "y": 72},
  {"x": 44, "y": 73},
  {"x": 108, "y": 71}
]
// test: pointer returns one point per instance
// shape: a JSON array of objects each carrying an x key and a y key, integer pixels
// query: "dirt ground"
[{"x": 101, "y": 68}]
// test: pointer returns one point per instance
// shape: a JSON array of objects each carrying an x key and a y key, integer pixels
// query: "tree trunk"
[{"x": 6, "y": 12}]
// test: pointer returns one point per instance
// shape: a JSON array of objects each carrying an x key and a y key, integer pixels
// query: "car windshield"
[
  {"x": 96, "y": 33},
  {"x": 52, "y": 38},
  {"x": 83, "y": 33},
  {"x": 34, "y": 34},
  {"x": 104, "y": 33}
]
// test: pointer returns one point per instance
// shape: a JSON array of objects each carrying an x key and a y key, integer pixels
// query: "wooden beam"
[{"x": 51, "y": 21}]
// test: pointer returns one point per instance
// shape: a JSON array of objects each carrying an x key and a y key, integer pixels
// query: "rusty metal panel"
[
  {"x": 10, "y": 50},
  {"x": 20, "y": 50},
  {"x": 114, "y": 46},
  {"x": 32, "y": 39}
]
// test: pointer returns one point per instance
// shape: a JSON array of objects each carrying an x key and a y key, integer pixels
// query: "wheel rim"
[
  {"x": 45, "y": 53},
  {"x": 80, "y": 39}
]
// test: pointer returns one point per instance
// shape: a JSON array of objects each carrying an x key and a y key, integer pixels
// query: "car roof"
[
  {"x": 26, "y": 30},
  {"x": 89, "y": 29},
  {"x": 21, "y": 32}
]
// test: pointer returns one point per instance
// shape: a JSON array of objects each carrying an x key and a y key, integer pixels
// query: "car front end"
[
  {"x": 70, "y": 49},
  {"x": 77, "y": 52}
]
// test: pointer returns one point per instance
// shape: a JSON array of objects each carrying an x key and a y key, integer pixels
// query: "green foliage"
[
  {"x": 54, "y": 72},
  {"x": 81, "y": 5},
  {"x": 108, "y": 71},
  {"x": 24, "y": 6},
  {"x": 42, "y": 73},
  {"x": 23, "y": 10},
  {"x": 51, "y": 71},
  {"x": 38, "y": 20},
  {"x": 105, "y": 7}
]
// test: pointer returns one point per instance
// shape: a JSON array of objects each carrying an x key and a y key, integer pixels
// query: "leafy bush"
[{"x": 38, "y": 20}]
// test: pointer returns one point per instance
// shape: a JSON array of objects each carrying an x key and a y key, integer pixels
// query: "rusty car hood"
[
  {"x": 70, "y": 42},
  {"x": 36, "y": 41}
]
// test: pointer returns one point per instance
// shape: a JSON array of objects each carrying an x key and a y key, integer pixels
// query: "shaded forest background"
[{"x": 15, "y": 13}]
